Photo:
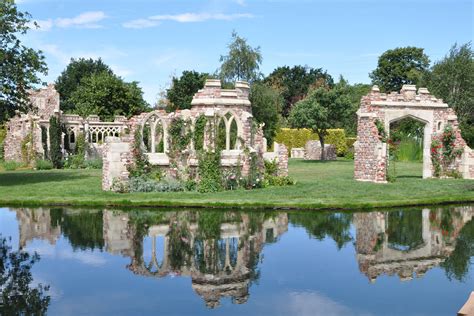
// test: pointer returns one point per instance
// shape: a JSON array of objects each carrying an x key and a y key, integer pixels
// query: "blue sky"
[{"x": 151, "y": 40}]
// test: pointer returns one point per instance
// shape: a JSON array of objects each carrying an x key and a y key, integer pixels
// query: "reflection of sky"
[{"x": 299, "y": 276}]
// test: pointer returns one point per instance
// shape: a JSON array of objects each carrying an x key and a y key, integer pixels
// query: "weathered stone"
[{"x": 313, "y": 150}]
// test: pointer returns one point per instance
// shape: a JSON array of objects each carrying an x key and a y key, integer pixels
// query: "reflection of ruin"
[
  {"x": 219, "y": 266},
  {"x": 384, "y": 245},
  {"x": 36, "y": 224}
]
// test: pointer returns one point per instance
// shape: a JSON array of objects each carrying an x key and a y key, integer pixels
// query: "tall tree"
[
  {"x": 182, "y": 89},
  {"x": 242, "y": 62},
  {"x": 321, "y": 110},
  {"x": 294, "y": 83},
  {"x": 107, "y": 95},
  {"x": 266, "y": 105},
  {"x": 71, "y": 77},
  {"x": 355, "y": 92},
  {"x": 452, "y": 79},
  {"x": 399, "y": 66},
  {"x": 19, "y": 65}
]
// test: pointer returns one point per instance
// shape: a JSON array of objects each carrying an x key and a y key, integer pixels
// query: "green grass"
[{"x": 319, "y": 185}]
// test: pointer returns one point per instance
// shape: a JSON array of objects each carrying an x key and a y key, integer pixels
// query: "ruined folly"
[
  {"x": 378, "y": 110},
  {"x": 219, "y": 119}
]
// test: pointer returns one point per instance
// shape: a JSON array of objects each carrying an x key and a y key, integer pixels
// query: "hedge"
[
  {"x": 295, "y": 138},
  {"x": 3, "y": 134}
]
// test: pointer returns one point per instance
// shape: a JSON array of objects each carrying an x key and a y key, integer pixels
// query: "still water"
[{"x": 142, "y": 262}]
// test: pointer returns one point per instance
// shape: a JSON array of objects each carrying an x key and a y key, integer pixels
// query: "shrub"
[
  {"x": 74, "y": 162},
  {"x": 144, "y": 184},
  {"x": 42, "y": 164},
  {"x": 95, "y": 163},
  {"x": 55, "y": 142},
  {"x": 11, "y": 165},
  {"x": 3, "y": 135},
  {"x": 278, "y": 181},
  {"x": 296, "y": 138},
  {"x": 209, "y": 171},
  {"x": 271, "y": 167}
]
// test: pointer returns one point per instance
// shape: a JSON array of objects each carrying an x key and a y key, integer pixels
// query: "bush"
[
  {"x": 209, "y": 172},
  {"x": 41, "y": 164},
  {"x": 297, "y": 138},
  {"x": 11, "y": 165},
  {"x": 55, "y": 142},
  {"x": 278, "y": 181},
  {"x": 3, "y": 135},
  {"x": 144, "y": 184},
  {"x": 95, "y": 163},
  {"x": 74, "y": 162},
  {"x": 271, "y": 167}
]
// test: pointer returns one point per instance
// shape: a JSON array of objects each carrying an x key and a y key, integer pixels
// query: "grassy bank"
[{"x": 319, "y": 185}]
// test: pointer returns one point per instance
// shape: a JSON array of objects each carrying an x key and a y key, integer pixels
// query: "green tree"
[
  {"x": 242, "y": 62},
  {"x": 71, "y": 77},
  {"x": 295, "y": 83},
  {"x": 19, "y": 65},
  {"x": 321, "y": 110},
  {"x": 452, "y": 79},
  {"x": 107, "y": 95},
  {"x": 399, "y": 66},
  {"x": 183, "y": 89},
  {"x": 55, "y": 153},
  {"x": 18, "y": 296},
  {"x": 355, "y": 92},
  {"x": 266, "y": 105}
]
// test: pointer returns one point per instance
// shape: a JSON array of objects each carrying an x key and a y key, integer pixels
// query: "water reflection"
[{"x": 221, "y": 251}]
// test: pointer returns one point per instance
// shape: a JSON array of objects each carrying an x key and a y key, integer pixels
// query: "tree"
[
  {"x": 452, "y": 79},
  {"x": 322, "y": 109},
  {"x": 294, "y": 83},
  {"x": 55, "y": 153},
  {"x": 71, "y": 77},
  {"x": 183, "y": 89},
  {"x": 18, "y": 296},
  {"x": 399, "y": 66},
  {"x": 107, "y": 95},
  {"x": 266, "y": 105},
  {"x": 242, "y": 62},
  {"x": 19, "y": 65}
]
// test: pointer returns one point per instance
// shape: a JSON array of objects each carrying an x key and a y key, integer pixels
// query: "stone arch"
[
  {"x": 380, "y": 109},
  {"x": 156, "y": 122},
  {"x": 230, "y": 117}
]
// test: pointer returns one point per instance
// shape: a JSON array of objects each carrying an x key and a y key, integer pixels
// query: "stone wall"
[
  {"x": 313, "y": 150},
  {"x": 370, "y": 159},
  {"x": 117, "y": 156},
  {"x": 298, "y": 152}
]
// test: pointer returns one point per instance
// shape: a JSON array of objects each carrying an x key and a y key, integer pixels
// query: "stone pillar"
[
  {"x": 117, "y": 155},
  {"x": 282, "y": 160}
]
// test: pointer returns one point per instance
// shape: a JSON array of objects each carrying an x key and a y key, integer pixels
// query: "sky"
[{"x": 150, "y": 41}]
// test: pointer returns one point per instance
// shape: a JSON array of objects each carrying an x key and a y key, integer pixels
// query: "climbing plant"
[
  {"x": 444, "y": 152},
  {"x": 199, "y": 128}
]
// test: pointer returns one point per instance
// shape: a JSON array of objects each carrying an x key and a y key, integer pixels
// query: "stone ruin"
[
  {"x": 45, "y": 104},
  {"x": 312, "y": 150},
  {"x": 113, "y": 141},
  {"x": 371, "y": 152},
  {"x": 229, "y": 108}
]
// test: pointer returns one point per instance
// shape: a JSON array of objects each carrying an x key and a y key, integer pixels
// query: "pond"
[{"x": 198, "y": 262}]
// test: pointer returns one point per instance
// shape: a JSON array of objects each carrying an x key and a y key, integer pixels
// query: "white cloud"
[
  {"x": 184, "y": 18},
  {"x": 88, "y": 20},
  {"x": 85, "y": 257},
  {"x": 41, "y": 25},
  {"x": 121, "y": 71},
  {"x": 241, "y": 2}
]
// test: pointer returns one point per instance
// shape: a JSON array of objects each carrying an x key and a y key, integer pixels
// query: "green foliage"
[
  {"x": 354, "y": 92},
  {"x": 242, "y": 62},
  {"x": 28, "y": 153},
  {"x": 198, "y": 136},
  {"x": 382, "y": 133},
  {"x": 452, "y": 79},
  {"x": 11, "y": 165},
  {"x": 55, "y": 142},
  {"x": 44, "y": 141},
  {"x": 71, "y": 77},
  {"x": 209, "y": 170},
  {"x": 266, "y": 106},
  {"x": 405, "y": 229},
  {"x": 74, "y": 162},
  {"x": 399, "y": 66},
  {"x": 321, "y": 110},
  {"x": 294, "y": 83},
  {"x": 80, "y": 145},
  {"x": 271, "y": 168},
  {"x": 444, "y": 152},
  {"x": 409, "y": 150},
  {"x": 107, "y": 95},
  {"x": 179, "y": 134},
  {"x": 182, "y": 89},
  {"x": 19, "y": 65},
  {"x": 278, "y": 181},
  {"x": 3, "y": 135},
  {"x": 141, "y": 164},
  {"x": 42, "y": 164},
  {"x": 95, "y": 163},
  {"x": 145, "y": 184},
  {"x": 19, "y": 296},
  {"x": 209, "y": 224}
]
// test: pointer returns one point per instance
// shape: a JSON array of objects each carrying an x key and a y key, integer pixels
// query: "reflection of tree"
[
  {"x": 17, "y": 296},
  {"x": 320, "y": 225},
  {"x": 457, "y": 264},
  {"x": 179, "y": 246},
  {"x": 405, "y": 229},
  {"x": 83, "y": 229}
]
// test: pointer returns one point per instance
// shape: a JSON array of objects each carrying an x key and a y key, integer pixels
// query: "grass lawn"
[{"x": 319, "y": 185}]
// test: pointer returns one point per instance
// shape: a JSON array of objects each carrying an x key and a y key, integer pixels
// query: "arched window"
[{"x": 153, "y": 135}]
